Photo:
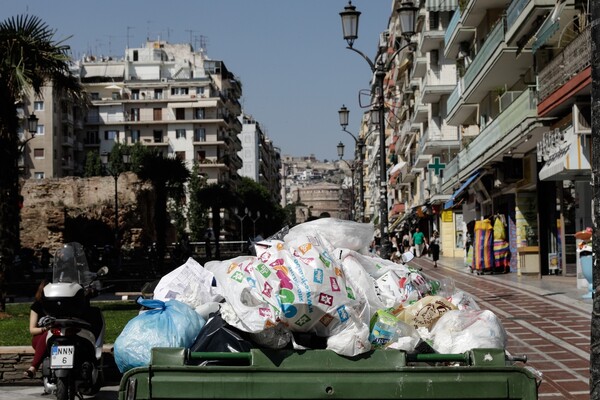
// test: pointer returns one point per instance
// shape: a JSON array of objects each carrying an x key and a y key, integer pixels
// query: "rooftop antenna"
[
  {"x": 169, "y": 30},
  {"x": 191, "y": 32},
  {"x": 203, "y": 42},
  {"x": 128, "y": 35},
  {"x": 148, "y": 30}
]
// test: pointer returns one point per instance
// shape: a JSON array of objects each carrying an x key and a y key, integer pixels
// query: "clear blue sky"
[{"x": 290, "y": 55}]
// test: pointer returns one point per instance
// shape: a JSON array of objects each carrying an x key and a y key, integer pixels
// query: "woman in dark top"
[{"x": 38, "y": 342}]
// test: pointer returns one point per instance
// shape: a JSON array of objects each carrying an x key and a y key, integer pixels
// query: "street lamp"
[
  {"x": 241, "y": 218},
  {"x": 340, "y": 151},
  {"x": 254, "y": 223},
  {"x": 359, "y": 141},
  {"x": 115, "y": 171},
  {"x": 407, "y": 14}
]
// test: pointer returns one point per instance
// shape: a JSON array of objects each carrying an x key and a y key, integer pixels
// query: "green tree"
[
  {"x": 257, "y": 198},
  {"x": 168, "y": 177},
  {"x": 93, "y": 165},
  {"x": 29, "y": 58},
  {"x": 197, "y": 214}
]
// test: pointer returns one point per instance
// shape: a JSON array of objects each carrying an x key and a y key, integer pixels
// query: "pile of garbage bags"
[{"x": 312, "y": 286}]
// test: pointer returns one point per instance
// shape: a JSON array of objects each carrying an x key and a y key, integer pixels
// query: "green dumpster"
[{"x": 175, "y": 373}]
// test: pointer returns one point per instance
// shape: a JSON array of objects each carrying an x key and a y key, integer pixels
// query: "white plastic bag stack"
[
  {"x": 296, "y": 283},
  {"x": 459, "y": 331}
]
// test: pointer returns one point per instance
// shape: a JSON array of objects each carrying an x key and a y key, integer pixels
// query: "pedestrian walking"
[
  {"x": 419, "y": 242},
  {"x": 434, "y": 247}
]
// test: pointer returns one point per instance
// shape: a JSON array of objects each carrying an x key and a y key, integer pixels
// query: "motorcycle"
[{"x": 73, "y": 363}]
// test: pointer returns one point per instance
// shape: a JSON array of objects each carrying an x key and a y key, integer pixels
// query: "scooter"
[{"x": 73, "y": 363}]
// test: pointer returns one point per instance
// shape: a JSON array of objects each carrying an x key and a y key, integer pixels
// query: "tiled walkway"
[{"x": 545, "y": 319}]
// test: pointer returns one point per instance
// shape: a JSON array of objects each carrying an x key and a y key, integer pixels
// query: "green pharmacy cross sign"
[{"x": 437, "y": 166}]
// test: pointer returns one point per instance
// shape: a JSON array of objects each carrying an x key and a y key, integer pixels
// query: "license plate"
[{"x": 62, "y": 356}]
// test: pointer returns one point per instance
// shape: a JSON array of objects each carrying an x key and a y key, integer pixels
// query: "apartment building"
[
  {"x": 490, "y": 115},
  {"x": 53, "y": 151},
  {"x": 168, "y": 97},
  {"x": 261, "y": 160}
]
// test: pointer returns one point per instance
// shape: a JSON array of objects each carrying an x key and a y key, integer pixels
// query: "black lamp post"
[
  {"x": 115, "y": 171},
  {"x": 359, "y": 141},
  {"x": 407, "y": 14},
  {"x": 340, "y": 151}
]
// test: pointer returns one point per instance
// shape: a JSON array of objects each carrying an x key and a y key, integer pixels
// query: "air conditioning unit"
[{"x": 163, "y": 80}]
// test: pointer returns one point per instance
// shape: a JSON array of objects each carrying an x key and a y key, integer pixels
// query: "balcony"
[
  {"x": 522, "y": 15},
  {"x": 494, "y": 138},
  {"x": 455, "y": 34},
  {"x": 419, "y": 66},
  {"x": 575, "y": 58},
  {"x": 439, "y": 138},
  {"x": 67, "y": 141},
  {"x": 438, "y": 82},
  {"x": 476, "y": 11},
  {"x": 495, "y": 65},
  {"x": 431, "y": 40}
]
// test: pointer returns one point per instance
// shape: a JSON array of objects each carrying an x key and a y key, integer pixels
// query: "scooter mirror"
[
  {"x": 102, "y": 271},
  {"x": 408, "y": 256}
]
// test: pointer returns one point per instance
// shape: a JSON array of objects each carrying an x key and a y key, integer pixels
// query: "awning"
[
  {"x": 450, "y": 203},
  {"x": 570, "y": 161},
  {"x": 441, "y": 5},
  {"x": 104, "y": 70},
  {"x": 397, "y": 167}
]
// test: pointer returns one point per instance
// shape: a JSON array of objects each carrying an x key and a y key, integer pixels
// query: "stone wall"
[{"x": 83, "y": 209}]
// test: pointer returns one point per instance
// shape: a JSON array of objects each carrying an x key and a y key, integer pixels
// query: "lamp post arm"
[
  {"x": 363, "y": 55},
  {"x": 389, "y": 61},
  {"x": 351, "y": 134}
]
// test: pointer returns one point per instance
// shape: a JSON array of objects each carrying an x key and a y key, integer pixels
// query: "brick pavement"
[{"x": 545, "y": 319}]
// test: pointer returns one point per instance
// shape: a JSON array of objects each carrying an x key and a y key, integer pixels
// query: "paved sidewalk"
[{"x": 556, "y": 285}]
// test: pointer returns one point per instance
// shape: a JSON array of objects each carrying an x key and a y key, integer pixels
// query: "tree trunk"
[
  {"x": 160, "y": 223},
  {"x": 9, "y": 193},
  {"x": 217, "y": 230},
  {"x": 595, "y": 325}
]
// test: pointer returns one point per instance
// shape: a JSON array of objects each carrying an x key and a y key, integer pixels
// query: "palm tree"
[
  {"x": 29, "y": 59},
  {"x": 168, "y": 176}
]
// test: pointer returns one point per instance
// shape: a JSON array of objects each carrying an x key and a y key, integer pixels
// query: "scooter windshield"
[{"x": 70, "y": 265}]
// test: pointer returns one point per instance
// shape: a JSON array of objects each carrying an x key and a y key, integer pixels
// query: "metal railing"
[{"x": 572, "y": 60}]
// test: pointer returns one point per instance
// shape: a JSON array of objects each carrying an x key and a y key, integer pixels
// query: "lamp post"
[
  {"x": 115, "y": 172},
  {"x": 407, "y": 14},
  {"x": 359, "y": 141},
  {"x": 32, "y": 125},
  {"x": 241, "y": 218},
  {"x": 254, "y": 223},
  {"x": 340, "y": 151}
]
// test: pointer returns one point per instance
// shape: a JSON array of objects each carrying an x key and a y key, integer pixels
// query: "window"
[
  {"x": 157, "y": 112},
  {"x": 180, "y": 133},
  {"x": 135, "y": 55},
  {"x": 135, "y": 136},
  {"x": 200, "y": 91},
  {"x": 135, "y": 94},
  {"x": 38, "y": 153},
  {"x": 111, "y": 135},
  {"x": 41, "y": 130},
  {"x": 201, "y": 156},
  {"x": 180, "y": 155},
  {"x": 91, "y": 137},
  {"x": 179, "y": 91},
  {"x": 158, "y": 94},
  {"x": 198, "y": 113},
  {"x": 38, "y": 106},
  {"x": 180, "y": 113},
  {"x": 158, "y": 136},
  {"x": 199, "y": 135},
  {"x": 135, "y": 114},
  {"x": 95, "y": 96},
  {"x": 38, "y": 175}
]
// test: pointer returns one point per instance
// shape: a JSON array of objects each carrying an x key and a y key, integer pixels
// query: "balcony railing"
[
  {"x": 572, "y": 60},
  {"x": 452, "y": 26},
  {"x": 470, "y": 158},
  {"x": 494, "y": 39}
]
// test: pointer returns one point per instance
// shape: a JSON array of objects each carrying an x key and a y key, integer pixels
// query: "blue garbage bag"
[{"x": 165, "y": 324}]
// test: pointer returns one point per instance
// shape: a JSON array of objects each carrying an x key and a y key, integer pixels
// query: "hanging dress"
[
  {"x": 483, "y": 246},
  {"x": 501, "y": 247}
]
